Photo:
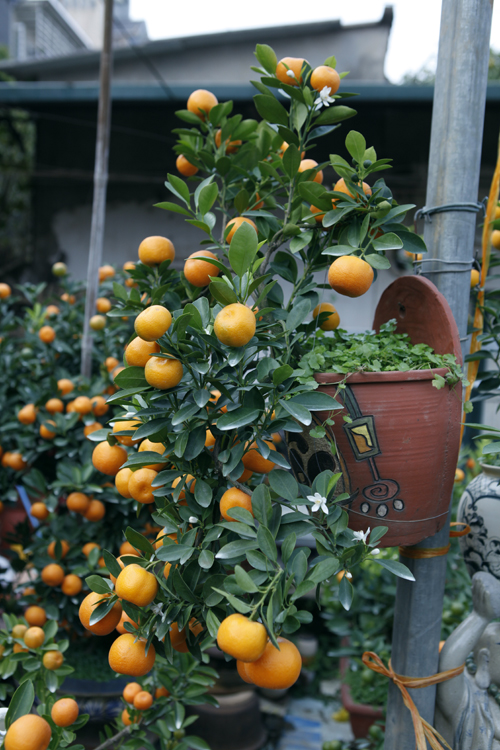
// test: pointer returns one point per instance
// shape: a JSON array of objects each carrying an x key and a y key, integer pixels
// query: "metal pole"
[
  {"x": 100, "y": 186},
  {"x": 453, "y": 177}
]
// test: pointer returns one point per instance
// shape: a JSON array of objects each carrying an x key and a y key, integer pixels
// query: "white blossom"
[
  {"x": 361, "y": 536},
  {"x": 157, "y": 609},
  {"x": 193, "y": 519},
  {"x": 324, "y": 99},
  {"x": 290, "y": 73},
  {"x": 348, "y": 575},
  {"x": 375, "y": 551},
  {"x": 319, "y": 502}
]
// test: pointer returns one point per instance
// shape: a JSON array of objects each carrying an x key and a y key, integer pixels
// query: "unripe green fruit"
[
  {"x": 59, "y": 269},
  {"x": 97, "y": 322}
]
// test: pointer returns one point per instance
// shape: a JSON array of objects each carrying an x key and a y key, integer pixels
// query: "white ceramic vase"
[{"x": 480, "y": 508}]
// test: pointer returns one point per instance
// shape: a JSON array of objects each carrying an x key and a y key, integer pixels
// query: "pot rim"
[
  {"x": 324, "y": 378},
  {"x": 490, "y": 469}
]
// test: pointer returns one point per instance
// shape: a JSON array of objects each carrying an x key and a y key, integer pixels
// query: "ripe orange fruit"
[
  {"x": 90, "y": 428},
  {"x": 103, "y": 305},
  {"x": 161, "y": 692},
  {"x": 29, "y": 732},
  {"x": 40, "y": 511},
  {"x": 108, "y": 622},
  {"x": 235, "y": 325},
  {"x": 198, "y": 272},
  {"x": 306, "y": 164},
  {"x": 54, "y": 405},
  {"x": 65, "y": 386},
  {"x": 185, "y": 167},
  {"x": 350, "y": 275},
  {"x": 127, "y": 719},
  {"x": 110, "y": 363},
  {"x": 46, "y": 334},
  {"x": 71, "y": 585},
  {"x": 108, "y": 459},
  {"x": 253, "y": 461},
  {"x": 459, "y": 475},
  {"x": 139, "y": 352},
  {"x": 143, "y": 701},
  {"x": 82, "y": 405},
  {"x": 245, "y": 476},
  {"x": 121, "y": 482},
  {"x": 18, "y": 649},
  {"x": 123, "y": 619},
  {"x": 35, "y": 615},
  {"x": 188, "y": 483},
  {"x": 241, "y": 668},
  {"x": 27, "y": 415},
  {"x": 34, "y": 637},
  {"x": 200, "y": 103},
  {"x": 474, "y": 277},
  {"x": 52, "y": 574},
  {"x": 289, "y": 70},
  {"x": 87, "y": 548},
  {"x": 52, "y": 660},
  {"x": 77, "y": 502},
  {"x": 231, "y": 146},
  {"x": 52, "y": 310},
  {"x": 178, "y": 638},
  {"x": 470, "y": 463},
  {"x": 236, "y": 224},
  {"x": 130, "y": 691},
  {"x": 495, "y": 239},
  {"x": 15, "y": 461},
  {"x": 139, "y": 485},
  {"x": 106, "y": 272},
  {"x": 44, "y": 431},
  {"x": 234, "y": 498},
  {"x": 127, "y": 549},
  {"x": 128, "y": 656},
  {"x": 18, "y": 631},
  {"x": 64, "y": 712},
  {"x": 152, "y": 322},
  {"x": 275, "y": 669},
  {"x": 333, "y": 320},
  {"x": 136, "y": 585},
  {"x": 163, "y": 373},
  {"x": 5, "y": 291},
  {"x": 341, "y": 187},
  {"x": 155, "y": 250},
  {"x": 96, "y": 511},
  {"x": 130, "y": 424},
  {"x": 148, "y": 445},
  {"x": 51, "y": 549},
  {"x": 242, "y": 638},
  {"x": 209, "y": 440},
  {"x": 99, "y": 406},
  {"x": 69, "y": 298},
  {"x": 323, "y": 76}
]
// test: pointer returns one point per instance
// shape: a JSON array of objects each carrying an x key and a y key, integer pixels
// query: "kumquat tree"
[{"x": 213, "y": 374}]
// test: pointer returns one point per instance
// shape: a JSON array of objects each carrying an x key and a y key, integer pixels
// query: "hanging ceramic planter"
[
  {"x": 398, "y": 451},
  {"x": 480, "y": 508}
]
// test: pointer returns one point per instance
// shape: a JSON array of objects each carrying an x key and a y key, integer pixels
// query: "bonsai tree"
[{"x": 213, "y": 374}]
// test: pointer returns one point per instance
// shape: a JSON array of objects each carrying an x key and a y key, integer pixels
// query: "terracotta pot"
[
  {"x": 361, "y": 715},
  {"x": 480, "y": 508},
  {"x": 398, "y": 453},
  {"x": 12, "y": 514}
]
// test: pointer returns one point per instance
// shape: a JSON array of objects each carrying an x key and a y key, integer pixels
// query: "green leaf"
[
  {"x": 243, "y": 249},
  {"x": 337, "y": 113},
  {"x": 233, "y": 420},
  {"x": 178, "y": 187},
  {"x": 298, "y": 314},
  {"x": 21, "y": 703},
  {"x": 206, "y": 558},
  {"x": 389, "y": 241},
  {"x": 316, "y": 401},
  {"x": 323, "y": 570},
  {"x": 202, "y": 493},
  {"x": 377, "y": 261},
  {"x": 377, "y": 533},
  {"x": 266, "y": 543},
  {"x": 237, "y": 604},
  {"x": 291, "y": 160},
  {"x": 288, "y": 545},
  {"x": 270, "y": 109},
  {"x": 139, "y": 541},
  {"x": 98, "y": 584},
  {"x": 331, "y": 61},
  {"x": 397, "y": 568},
  {"x": 167, "y": 206},
  {"x": 302, "y": 589},
  {"x": 283, "y": 483},
  {"x": 266, "y": 57},
  {"x": 235, "y": 549},
  {"x": 356, "y": 145},
  {"x": 281, "y": 374},
  {"x": 50, "y": 628},
  {"x": 346, "y": 593},
  {"x": 244, "y": 581},
  {"x": 132, "y": 377},
  {"x": 412, "y": 243},
  {"x": 222, "y": 292},
  {"x": 301, "y": 413},
  {"x": 111, "y": 563},
  {"x": 207, "y": 198}
]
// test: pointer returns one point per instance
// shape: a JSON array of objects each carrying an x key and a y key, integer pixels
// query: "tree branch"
[{"x": 115, "y": 738}]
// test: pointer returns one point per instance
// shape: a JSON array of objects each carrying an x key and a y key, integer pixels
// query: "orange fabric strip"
[
  {"x": 424, "y": 553},
  {"x": 423, "y": 730},
  {"x": 464, "y": 531}
]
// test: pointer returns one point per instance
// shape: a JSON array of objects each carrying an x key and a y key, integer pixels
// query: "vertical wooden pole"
[
  {"x": 453, "y": 177},
  {"x": 100, "y": 187}
]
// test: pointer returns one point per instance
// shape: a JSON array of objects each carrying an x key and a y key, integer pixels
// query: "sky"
[{"x": 413, "y": 42}]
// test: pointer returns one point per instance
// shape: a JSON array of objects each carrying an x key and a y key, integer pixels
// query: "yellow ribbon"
[{"x": 423, "y": 730}]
